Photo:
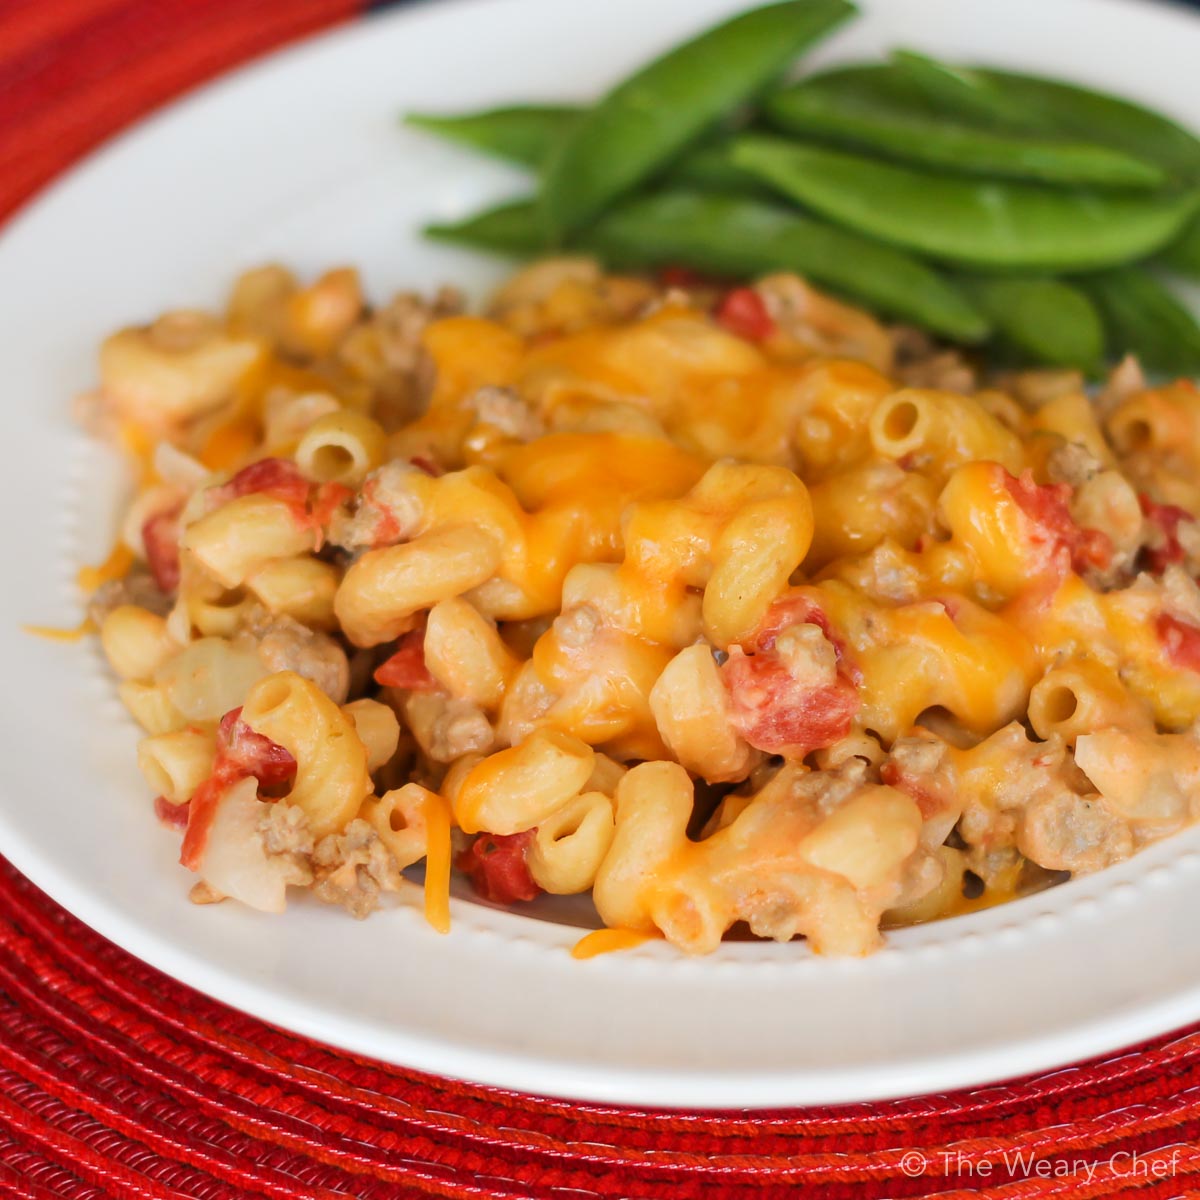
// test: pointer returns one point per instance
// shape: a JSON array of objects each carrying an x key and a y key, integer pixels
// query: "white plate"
[{"x": 301, "y": 158}]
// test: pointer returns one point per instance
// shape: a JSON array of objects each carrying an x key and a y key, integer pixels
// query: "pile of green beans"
[{"x": 1034, "y": 217}]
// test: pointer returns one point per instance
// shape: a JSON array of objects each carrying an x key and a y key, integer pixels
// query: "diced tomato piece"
[
  {"x": 240, "y": 753},
  {"x": 282, "y": 480},
  {"x": 252, "y": 753},
  {"x": 1044, "y": 504},
  {"x": 328, "y": 499},
  {"x": 675, "y": 276},
  {"x": 791, "y": 610},
  {"x": 774, "y": 712},
  {"x": 788, "y": 611},
  {"x": 1052, "y": 525},
  {"x": 174, "y": 816},
  {"x": 497, "y": 867},
  {"x": 1180, "y": 640},
  {"x": 406, "y": 668},
  {"x": 1168, "y": 518},
  {"x": 1093, "y": 548},
  {"x": 387, "y": 528},
  {"x": 160, "y": 535},
  {"x": 275, "y": 477},
  {"x": 744, "y": 313},
  {"x": 202, "y": 808}
]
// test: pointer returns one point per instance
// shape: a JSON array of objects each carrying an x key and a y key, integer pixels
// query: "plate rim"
[{"x": 668, "y": 1088}]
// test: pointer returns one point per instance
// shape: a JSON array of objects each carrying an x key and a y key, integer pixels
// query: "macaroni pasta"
[{"x": 591, "y": 593}]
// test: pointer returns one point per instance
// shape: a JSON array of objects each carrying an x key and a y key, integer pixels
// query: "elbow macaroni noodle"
[{"x": 594, "y": 594}]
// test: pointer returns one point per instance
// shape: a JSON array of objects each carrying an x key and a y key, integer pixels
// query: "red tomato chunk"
[
  {"x": 772, "y": 709},
  {"x": 241, "y": 753},
  {"x": 1053, "y": 526},
  {"x": 744, "y": 313},
  {"x": 406, "y": 668},
  {"x": 1168, "y": 518},
  {"x": 160, "y": 535},
  {"x": 496, "y": 864},
  {"x": 1180, "y": 640}
]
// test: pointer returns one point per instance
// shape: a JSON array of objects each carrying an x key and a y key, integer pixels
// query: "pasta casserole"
[{"x": 729, "y": 606}]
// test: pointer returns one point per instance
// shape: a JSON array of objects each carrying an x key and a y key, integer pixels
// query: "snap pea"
[
  {"x": 1044, "y": 319},
  {"x": 1017, "y": 101},
  {"x": 873, "y": 108},
  {"x": 512, "y": 229},
  {"x": 522, "y": 133},
  {"x": 1145, "y": 319},
  {"x": 1121, "y": 124},
  {"x": 989, "y": 224},
  {"x": 710, "y": 168},
  {"x": 740, "y": 237},
  {"x": 737, "y": 237},
  {"x": 965, "y": 93},
  {"x": 651, "y": 117},
  {"x": 1183, "y": 254},
  {"x": 1107, "y": 119},
  {"x": 1014, "y": 99}
]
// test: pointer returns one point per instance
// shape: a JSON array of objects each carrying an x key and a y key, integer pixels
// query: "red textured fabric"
[
  {"x": 73, "y": 72},
  {"x": 117, "y": 1082}
]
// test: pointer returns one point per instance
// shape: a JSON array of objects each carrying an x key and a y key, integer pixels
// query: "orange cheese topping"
[
  {"x": 437, "y": 863},
  {"x": 231, "y": 444},
  {"x": 54, "y": 634},
  {"x": 115, "y": 566},
  {"x": 608, "y": 941},
  {"x": 640, "y": 487}
]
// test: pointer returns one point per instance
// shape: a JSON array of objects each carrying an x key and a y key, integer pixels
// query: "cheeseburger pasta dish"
[{"x": 731, "y": 607}]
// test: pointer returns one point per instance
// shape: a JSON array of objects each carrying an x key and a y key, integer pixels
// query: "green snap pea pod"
[
  {"x": 651, "y": 117},
  {"x": 710, "y": 168},
  {"x": 522, "y": 134},
  {"x": 1084, "y": 112},
  {"x": 1145, "y": 319},
  {"x": 1017, "y": 101},
  {"x": 1044, "y": 319},
  {"x": 1107, "y": 119},
  {"x": 872, "y": 108},
  {"x": 965, "y": 93},
  {"x": 525, "y": 134},
  {"x": 1121, "y": 124},
  {"x": 512, "y": 229},
  {"x": 740, "y": 238},
  {"x": 979, "y": 223},
  {"x": 1183, "y": 254}
]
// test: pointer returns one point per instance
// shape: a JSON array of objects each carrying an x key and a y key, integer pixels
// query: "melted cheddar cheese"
[{"x": 726, "y": 621}]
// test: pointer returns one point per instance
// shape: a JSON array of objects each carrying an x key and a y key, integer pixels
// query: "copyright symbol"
[{"x": 913, "y": 1164}]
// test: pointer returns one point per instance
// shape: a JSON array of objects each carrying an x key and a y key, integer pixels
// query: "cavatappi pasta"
[{"x": 729, "y": 608}]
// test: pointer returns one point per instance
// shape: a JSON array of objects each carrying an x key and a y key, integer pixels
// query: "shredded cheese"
[
  {"x": 55, "y": 634},
  {"x": 115, "y": 566},
  {"x": 607, "y": 941},
  {"x": 139, "y": 445},
  {"x": 231, "y": 444},
  {"x": 437, "y": 863}
]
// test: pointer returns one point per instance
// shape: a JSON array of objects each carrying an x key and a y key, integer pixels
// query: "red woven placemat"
[{"x": 117, "y": 1082}]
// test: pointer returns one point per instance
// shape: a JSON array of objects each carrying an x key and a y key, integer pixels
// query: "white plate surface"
[{"x": 301, "y": 159}]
